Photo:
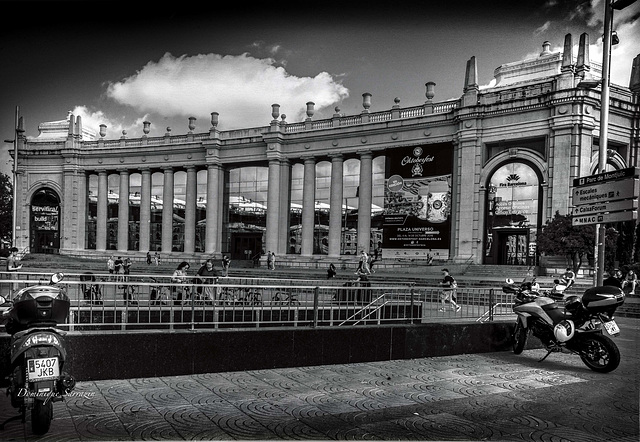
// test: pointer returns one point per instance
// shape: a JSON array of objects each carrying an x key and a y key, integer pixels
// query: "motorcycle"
[
  {"x": 37, "y": 352},
  {"x": 573, "y": 325}
]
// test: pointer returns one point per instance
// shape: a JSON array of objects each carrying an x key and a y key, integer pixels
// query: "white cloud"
[
  {"x": 92, "y": 119},
  {"x": 542, "y": 28},
  {"x": 240, "y": 88}
]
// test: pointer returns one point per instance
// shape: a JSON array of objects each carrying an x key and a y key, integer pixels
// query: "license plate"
[
  {"x": 612, "y": 328},
  {"x": 43, "y": 369}
]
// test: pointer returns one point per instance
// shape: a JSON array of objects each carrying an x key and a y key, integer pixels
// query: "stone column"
[
  {"x": 167, "y": 210},
  {"x": 101, "y": 213},
  {"x": 212, "y": 234},
  {"x": 123, "y": 212},
  {"x": 273, "y": 206},
  {"x": 364, "y": 202},
  {"x": 145, "y": 211},
  {"x": 308, "y": 206},
  {"x": 335, "y": 212},
  {"x": 190, "y": 210},
  {"x": 285, "y": 207}
]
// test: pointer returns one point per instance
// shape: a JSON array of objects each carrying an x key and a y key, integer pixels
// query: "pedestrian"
[
  {"x": 111, "y": 265},
  {"x": 363, "y": 264},
  {"x": 180, "y": 277},
  {"x": 568, "y": 278},
  {"x": 119, "y": 269},
  {"x": 156, "y": 258},
  {"x": 331, "y": 271},
  {"x": 272, "y": 266},
  {"x": 631, "y": 280},
  {"x": 269, "y": 259},
  {"x": 207, "y": 275},
  {"x": 148, "y": 258},
  {"x": 13, "y": 265},
  {"x": 126, "y": 267},
  {"x": 226, "y": 262},
  {"x": 535, "y": 287},
  {"x": 449, "y": 290},
  {"x": 614, "y": 279}
]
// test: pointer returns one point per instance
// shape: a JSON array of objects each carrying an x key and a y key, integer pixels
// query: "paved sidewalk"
[{"x": 491, "y": 396}]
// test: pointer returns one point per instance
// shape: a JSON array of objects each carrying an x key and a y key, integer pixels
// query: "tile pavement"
[{"x": 491, "y": 396}]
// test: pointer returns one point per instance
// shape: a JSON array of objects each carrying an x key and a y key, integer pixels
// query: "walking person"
[
  {"x": 180, "y": 277},
  {"x": 448, "y": 293},
  {"x": 148, "y": 258},
  {"x": 226, "y": 262},
  {"x": 207, "y": 275},
  {"x": 272, "y": 264},
  {"x": 119, "y": 269},
  {"x": 111, "y": 266},
  {"x": 363, "y": 264},
  {"x": 331, "y": 271},
  {"x": 156, "y": 258}
]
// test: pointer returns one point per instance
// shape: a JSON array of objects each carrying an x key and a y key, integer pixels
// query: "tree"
[
  {"x": 6, "y": 207},
  {"x": 559, "y": 238}
]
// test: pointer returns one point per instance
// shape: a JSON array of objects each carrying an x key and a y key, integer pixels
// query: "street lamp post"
[
  {"x": 14, "y": 203},
  {"x": 604, "y": 118}
]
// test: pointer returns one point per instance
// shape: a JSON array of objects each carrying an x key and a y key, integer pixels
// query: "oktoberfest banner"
[{"x": 417, "y": 201}]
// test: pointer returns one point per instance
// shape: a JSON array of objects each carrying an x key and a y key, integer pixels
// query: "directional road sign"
[
  {"x": 607, "y": 176},
  {"x": 603, "y": 218},
  {"x": 615, "y": 206},
  {"x": 608, "y": 191}
]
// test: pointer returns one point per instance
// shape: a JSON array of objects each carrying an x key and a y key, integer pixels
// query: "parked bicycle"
[{"x": 285, "y": 298}]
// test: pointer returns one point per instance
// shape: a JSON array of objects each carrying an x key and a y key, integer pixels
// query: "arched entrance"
[
  {"x": 513, "y": 215},
  {"x": 45, "y": 222}
]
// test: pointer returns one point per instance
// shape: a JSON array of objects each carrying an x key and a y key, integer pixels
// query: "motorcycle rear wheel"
[
  {"x": 41, "y": 416},
  {"x": 519, "y": 338},
  {"x": 599, "y": 352}
]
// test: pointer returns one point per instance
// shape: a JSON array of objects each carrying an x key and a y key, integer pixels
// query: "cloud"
[
  {"x": 542, "y": 28},
  {"x": 240, "y": 88},
  {"x": 92, "y": 119}
]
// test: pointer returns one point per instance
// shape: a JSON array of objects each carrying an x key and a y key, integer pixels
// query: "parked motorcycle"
[
  {"x": 37, "y": 352},
  {"x": 573, "y": 325}
]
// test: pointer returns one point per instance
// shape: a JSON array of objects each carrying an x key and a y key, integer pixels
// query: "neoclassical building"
[{"x": 465, "y": 180}]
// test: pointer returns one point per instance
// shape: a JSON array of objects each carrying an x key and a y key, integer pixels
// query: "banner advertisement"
[{"x": 417, "y": 202}]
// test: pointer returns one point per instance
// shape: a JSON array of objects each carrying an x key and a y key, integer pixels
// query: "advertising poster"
[{"x": 417, "y": 202}]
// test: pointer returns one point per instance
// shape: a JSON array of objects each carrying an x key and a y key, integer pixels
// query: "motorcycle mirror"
[
  {"x": 509, "y": 281},
  {"x": 56, "y": 278}
]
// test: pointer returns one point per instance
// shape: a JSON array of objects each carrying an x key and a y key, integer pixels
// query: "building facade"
[{"x": 466, "y": 180}]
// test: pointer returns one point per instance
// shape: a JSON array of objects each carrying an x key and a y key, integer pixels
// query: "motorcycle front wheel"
[
  {"x": 519, "y": 338},
  {"x": 41, "y": 416},
  {"x": 599, "y": 352}
]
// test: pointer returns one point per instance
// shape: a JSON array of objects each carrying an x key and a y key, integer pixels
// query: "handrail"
[{"x": 364, "y": 308}]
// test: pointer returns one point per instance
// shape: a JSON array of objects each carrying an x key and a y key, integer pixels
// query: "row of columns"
[{"x": 278, "y": 204}]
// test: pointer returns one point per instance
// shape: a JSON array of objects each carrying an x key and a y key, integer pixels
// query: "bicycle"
[
  {"x": 251, "y": 297},
  {"x": 287, "y": 299}
]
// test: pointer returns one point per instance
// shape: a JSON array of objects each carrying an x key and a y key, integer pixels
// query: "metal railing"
[{"x": 102, "y": 302}]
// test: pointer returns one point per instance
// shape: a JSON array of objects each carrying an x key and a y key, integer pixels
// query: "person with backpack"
[{"x": 449, "y": 290}]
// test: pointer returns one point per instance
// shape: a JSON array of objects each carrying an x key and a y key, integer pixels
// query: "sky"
[{"x": 121, "y": 63}]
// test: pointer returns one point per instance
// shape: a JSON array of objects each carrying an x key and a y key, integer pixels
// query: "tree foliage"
[
  {"x": 6, "y": 206},
  {"x": 559, "y": 238}
]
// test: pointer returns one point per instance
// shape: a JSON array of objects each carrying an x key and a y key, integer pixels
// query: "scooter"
[
  {"x": 38, "y": 353},
  {"x": 573, "y": 325}
]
